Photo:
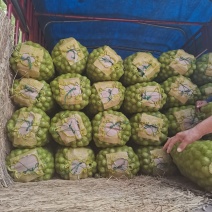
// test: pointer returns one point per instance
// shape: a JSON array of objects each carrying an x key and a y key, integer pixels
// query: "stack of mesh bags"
[
  {"x": 190, "y": 81},
  {"x": 103, "y": 115},
  {"x": 28, "y": 128},
  {"x": 144, "y": 99},
  {"x": 70, "y": 127},
  {"x": 111, "y": 128}
]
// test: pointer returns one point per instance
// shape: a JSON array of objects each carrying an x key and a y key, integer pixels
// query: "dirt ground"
[{"x": 141, "y": 194}]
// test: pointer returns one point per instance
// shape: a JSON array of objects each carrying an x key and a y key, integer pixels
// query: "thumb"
[{"x": 182, "y": 146}]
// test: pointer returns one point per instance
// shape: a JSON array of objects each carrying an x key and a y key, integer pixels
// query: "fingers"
[
  {"x": 175, "y": 139},
  {"x": 166, "y": 144},
  {"x": 200, "y": 104},
  {"x": 197, "y": 103},
  {"x": 170, "y": 143},
  {"x": 182, "y": 146}
]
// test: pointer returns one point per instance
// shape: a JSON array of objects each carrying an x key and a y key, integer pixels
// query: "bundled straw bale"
[
  {"x": 140, "y": 194},
  {"x": 6, "y": 107}
]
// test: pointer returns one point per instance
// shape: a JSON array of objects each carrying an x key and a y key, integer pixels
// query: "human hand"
[
  {"x": 184, "y": 138},
  {"x": 201, "y": 103}
]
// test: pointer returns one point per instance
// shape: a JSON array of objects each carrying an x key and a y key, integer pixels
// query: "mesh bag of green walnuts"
[
  {"x": 176, "y": 62},
  {"x": 110, "y": 128},
  {"x": 28, "y": 128},
  {"x": 140, "y": 67},
  {"x": 195, "y": 162},
  {"x": 27, "y": 92},
  {"x": 71, "y": 91},
  {"x": 104, "y": 64},
  {"x": 32, "y": 60},
  {"x": 71, "y": 128},
  {"x": 69, "y": 56},
  {"x": 182, "y": 118},
  {"x": 26, "y": 165},
  {"x": 117, "y": 162},
  {"x": 75, "y": 163},
  {"x": 180, "y": 91},
  {"x": 204, "y": 113},
  {"x": 108, "y": 95},
  {"x": 144, "y": 97},
  {"x": 206, "y": 91},
  {"x": 149, "y": 128},
  {"x": 155, "y": 161},
  {"x": 203, "y": 72}
]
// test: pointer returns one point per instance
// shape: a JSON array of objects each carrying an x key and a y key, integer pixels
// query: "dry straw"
[
  {"x": 143, "y": 193},
  {"x": 6, "y": 107}
]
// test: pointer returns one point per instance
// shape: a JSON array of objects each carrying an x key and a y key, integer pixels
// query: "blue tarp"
[{"x": 124, "y": 37}]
